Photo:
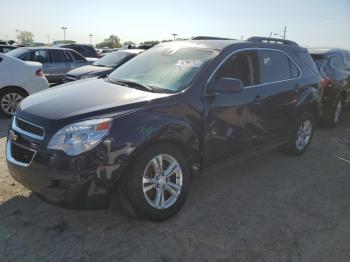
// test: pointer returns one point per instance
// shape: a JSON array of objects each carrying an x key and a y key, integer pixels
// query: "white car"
[{"x": 18, "y": 79}]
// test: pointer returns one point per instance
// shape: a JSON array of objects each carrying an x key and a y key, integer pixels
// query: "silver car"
[{"x": 56, "y": 61}]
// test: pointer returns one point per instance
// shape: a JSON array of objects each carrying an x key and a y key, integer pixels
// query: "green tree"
[
  {"x": 112, "y": 42},
  {"x": 25, "y": 37}
]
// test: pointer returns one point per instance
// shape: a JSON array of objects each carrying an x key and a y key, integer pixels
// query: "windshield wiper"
[{"x": 132, "y": 84}]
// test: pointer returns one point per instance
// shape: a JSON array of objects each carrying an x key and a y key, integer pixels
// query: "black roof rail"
[
  {"x": 260, "y": 39},
  {"x": 210, "y": 38}
]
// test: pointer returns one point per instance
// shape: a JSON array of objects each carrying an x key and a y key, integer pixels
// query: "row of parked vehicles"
[{"x": 180, "y": 108}]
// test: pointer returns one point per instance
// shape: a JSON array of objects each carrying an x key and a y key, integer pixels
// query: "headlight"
[{"x": 80, "y": 137}]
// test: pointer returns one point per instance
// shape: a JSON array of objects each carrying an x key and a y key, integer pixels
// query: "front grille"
[
  {"x": 30, "y": 128},
  {"x": 21, "y": 154}
]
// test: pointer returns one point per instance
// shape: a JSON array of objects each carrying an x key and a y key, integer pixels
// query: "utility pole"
[
  {"x": 48, "y": 39},
  {"x": 284, "y": 32},
  {"x": 174, "y": 35},
  {"x": 64, "y": 32},
  {"x": 90, "y": 38}
]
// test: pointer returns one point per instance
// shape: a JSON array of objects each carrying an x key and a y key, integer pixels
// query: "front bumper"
[{"x": 83, "y": 181}]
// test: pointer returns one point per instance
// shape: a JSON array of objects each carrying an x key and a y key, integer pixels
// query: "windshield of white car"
[
  {"x": 112, "y": 59},
  {"x": 165, "y": 67}
]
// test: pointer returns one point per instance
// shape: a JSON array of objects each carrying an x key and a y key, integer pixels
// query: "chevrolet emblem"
[{"x": 12, "y": 136}]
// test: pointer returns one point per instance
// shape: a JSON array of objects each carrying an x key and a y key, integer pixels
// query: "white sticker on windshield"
[{"x": 192, "y": 63}]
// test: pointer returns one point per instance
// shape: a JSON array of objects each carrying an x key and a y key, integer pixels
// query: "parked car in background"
[
  {"x": 18, "y": 79},
  {"x": 7, "y": 48},
  {"x": 103, "y": 66},
  {"x": 84, "y": 50},
  {"x": 334, "y": 67},
  {"x": 177, "y": 109},
  {"x": 56, "y": 61},
  {"x": 103, "y": 51}
]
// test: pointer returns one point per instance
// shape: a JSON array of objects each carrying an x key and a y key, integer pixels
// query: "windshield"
[
  {"x": 17, "y": 52},
  {"x": 164, "y": 67},
  {"x": 112, "y": 59}
]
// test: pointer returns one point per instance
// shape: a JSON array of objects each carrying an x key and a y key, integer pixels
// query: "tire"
[
  {"x": 145, "y": 204},
  {"x": 333, "y": 116},
  {"x": 301, "y": 136},
  {"x": 9, "y": 99}
]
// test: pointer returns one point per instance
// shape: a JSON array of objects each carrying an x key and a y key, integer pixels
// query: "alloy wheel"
[
  {"x": 9, "y": 102},
  {"x": 303, "y": 135},
  {"x": 338, "y": 111},
  {"x": 162, "y": 181}
]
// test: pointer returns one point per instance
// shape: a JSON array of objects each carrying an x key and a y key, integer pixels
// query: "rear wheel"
[
  {"x": 158, "y": 183},
  {"x": 301, "y": 135},
  {"x": 9, "y": 100}
]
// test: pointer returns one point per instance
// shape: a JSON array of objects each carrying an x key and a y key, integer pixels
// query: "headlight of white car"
[{"x": 80, "y": 137}]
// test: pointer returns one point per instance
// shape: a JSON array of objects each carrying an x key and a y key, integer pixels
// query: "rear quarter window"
[{"x": 275, "y": 66}]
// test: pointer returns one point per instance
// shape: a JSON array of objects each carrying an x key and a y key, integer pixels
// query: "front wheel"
[
  {"x": 158, "y": 182},
  {"x": 301, "y": 134}
]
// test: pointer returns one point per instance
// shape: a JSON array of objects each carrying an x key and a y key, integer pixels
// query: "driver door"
[{"x": 233, "y": 120}]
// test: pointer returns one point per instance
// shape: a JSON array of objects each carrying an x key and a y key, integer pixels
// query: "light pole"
[
  {"x": 174, "y": 35},
  {"x": 90, "y": 38},
  {"x": 17, "y": 32},
  {"x": 48, "y": 39},
  {"x": 64, "y": 32}
]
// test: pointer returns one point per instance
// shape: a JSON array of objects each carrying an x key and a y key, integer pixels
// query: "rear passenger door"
[
  {"x": 279, "y": 79},
  {"x": 61, "y": 64}
]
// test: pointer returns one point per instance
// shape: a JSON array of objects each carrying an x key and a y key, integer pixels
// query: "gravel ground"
[{"x": 270, "y": 208}]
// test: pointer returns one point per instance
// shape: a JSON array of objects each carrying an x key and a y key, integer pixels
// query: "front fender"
[{"x": 134, "y": 133}]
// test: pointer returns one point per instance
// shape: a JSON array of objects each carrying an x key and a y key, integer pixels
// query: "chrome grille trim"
[
  {"x": 14, "y": 161},
  {"x": 19, "y": 130}
]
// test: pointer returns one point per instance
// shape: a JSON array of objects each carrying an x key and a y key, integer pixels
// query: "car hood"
[
  {"x": 88, "y": 69},
  {"x": 88, "y": 96}
]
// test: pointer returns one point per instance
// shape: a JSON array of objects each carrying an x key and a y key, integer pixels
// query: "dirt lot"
[{"x": 269, "y": 208}]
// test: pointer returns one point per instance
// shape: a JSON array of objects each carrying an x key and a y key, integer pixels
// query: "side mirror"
[{"x": 228, "y": 85}]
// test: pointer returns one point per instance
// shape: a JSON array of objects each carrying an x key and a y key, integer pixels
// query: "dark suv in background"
[
  {"x": 177, "y": 109},
  {"x": 334, "y": 67},
  {"x": 84, "y": 50}
]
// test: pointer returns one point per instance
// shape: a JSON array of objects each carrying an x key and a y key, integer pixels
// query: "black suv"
[
  {"x": 84, "y": 50},
  {"x": 177, "y": 109},
  {"x": 334, "y": 67}
]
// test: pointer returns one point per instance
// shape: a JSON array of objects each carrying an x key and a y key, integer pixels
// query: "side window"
[
  {"x": 337, "y": 62},
  {"x": 60, "y": 56},
  {"x": 41, "y": 56},
  {"x": 68, "y": 56},
  {"x": 274, "y": 66},
  {"x": 0, "y": 59},
  {"x": 78, "y": 57},
  {"x": 241, "y": 66}
]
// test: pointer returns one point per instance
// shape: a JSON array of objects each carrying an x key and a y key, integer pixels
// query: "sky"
[{"x": 311, "y": 23}]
